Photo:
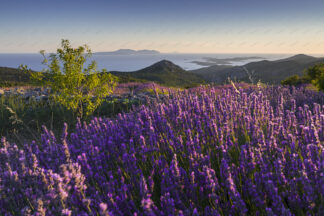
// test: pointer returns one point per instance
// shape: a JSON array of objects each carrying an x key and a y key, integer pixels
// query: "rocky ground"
[
  {"x": 26, "y": 92},
  {"x": 129, "y": 91}
]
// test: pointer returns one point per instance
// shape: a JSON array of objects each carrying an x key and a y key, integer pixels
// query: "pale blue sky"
[{"x": 188, "y": 26}]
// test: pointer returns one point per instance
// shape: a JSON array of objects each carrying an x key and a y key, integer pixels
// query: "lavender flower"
[{"x": 205, "y": 151}]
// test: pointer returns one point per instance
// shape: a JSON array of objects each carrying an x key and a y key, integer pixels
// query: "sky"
[{"x": 184, "y": 26}]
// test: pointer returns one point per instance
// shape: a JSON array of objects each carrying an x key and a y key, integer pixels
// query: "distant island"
[
  {"x": 225, "y": 61},
  {"x": 129, "y": 52}
]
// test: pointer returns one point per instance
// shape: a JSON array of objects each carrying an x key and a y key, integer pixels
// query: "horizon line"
[{"x": 187, "y": 53}]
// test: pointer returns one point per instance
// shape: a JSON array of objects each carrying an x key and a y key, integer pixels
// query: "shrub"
[
  {"x": 316, "y": 75},
  {"x": 75, "y": 86}
]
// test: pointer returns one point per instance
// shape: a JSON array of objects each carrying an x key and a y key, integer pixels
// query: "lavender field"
[{"x": 202, "y": 151}]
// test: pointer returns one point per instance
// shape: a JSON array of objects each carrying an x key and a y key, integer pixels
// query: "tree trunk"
[{"x": 80, "y": 111}]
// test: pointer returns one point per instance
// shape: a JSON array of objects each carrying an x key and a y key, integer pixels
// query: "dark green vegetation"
[
  {"x": 13, "y": 77},
  {"x": 313, "y": 75},
  {"x": 316, "y": 75},
  {"x": 165, "y": 73},
  {"x": 270, "y": 72},
  {"x": 22, "y": 119},
  {"x": 295, "y": 80}
]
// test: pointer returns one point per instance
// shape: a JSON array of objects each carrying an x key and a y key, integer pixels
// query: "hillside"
[
  {"x": 271, "y": 72},
  {"x": 165, "y": 73},
  {"x": 12, "y": 76},
  {"x": 301, "y": 58}
]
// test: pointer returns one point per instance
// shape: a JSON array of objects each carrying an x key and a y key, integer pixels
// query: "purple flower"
[{"x": 211, "y": 150}]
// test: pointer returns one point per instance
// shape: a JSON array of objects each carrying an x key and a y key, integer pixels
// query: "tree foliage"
[
  {"x": 295, "y": 80},
  {"x": 76, "y": 86},
  {"x": 314, "y": 75}
]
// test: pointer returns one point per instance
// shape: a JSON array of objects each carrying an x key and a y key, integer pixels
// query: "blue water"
[{"x": 132, "y": 62}]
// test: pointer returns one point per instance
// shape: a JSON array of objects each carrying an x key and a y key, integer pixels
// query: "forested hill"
[{"x": 272, "y": 72}]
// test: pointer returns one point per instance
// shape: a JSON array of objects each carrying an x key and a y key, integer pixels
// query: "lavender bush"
[{"x": 200, "y": 152}]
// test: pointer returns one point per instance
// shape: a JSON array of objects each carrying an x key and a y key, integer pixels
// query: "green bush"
[
  {"x": 295, "y": 81},
  {"x": 316, "y": 76},
  {"x": 313, "y": 75},
  {"x": 78, "y": 88},
  {"x": 22, "y": 119}
]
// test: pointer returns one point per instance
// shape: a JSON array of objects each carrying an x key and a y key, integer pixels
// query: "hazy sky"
[{"x": 187, "y": 26}]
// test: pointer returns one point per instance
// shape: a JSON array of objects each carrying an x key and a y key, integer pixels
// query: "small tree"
[
  {"x": 313, "y": 75},
  {"x": 316, "y": 75},
  {"x": 294, "y": 80},
  {"x": 78, "y": 88}
]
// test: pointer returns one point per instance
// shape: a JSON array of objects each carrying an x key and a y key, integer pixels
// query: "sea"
[{"x": 127, "y": 63}]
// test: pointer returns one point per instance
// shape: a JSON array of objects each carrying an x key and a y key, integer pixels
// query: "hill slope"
[
  {"x": 164, "y": 72},
  {"x": 12, "y": 76},
  {"x": 301, "y": 58},
  {"x": 169, "y": 74},
  {"x": 271, "y": 72}
]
